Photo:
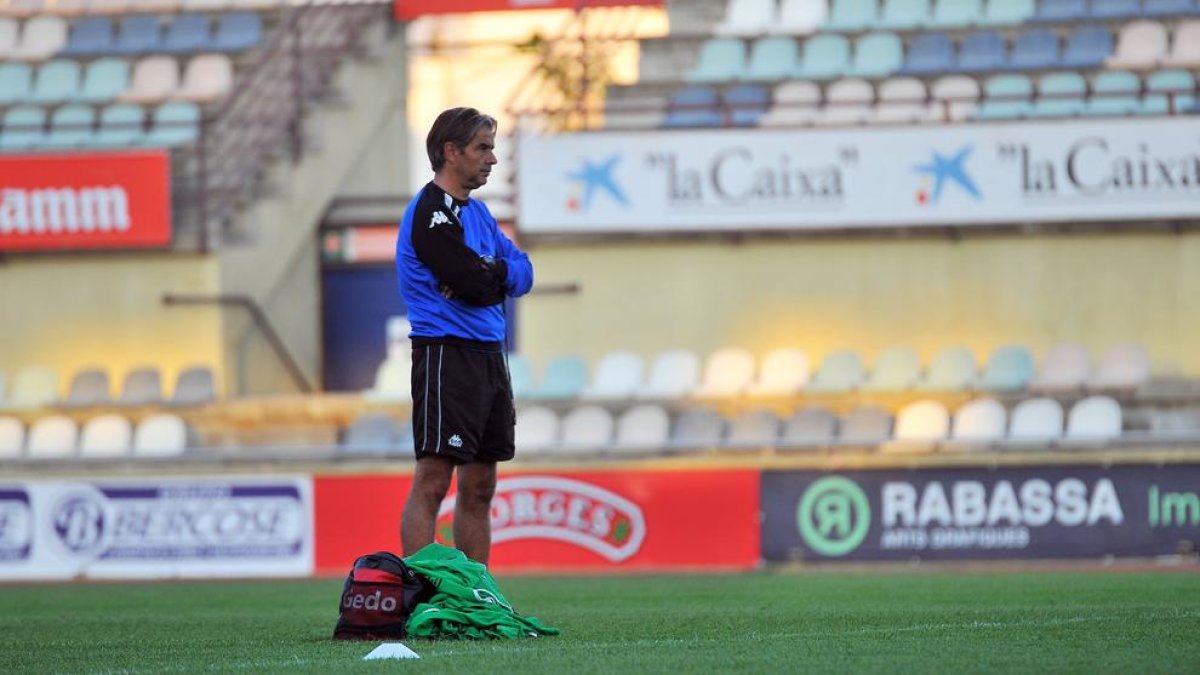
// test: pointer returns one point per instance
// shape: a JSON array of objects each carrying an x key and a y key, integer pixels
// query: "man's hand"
[{"x": 497, "y": 268}]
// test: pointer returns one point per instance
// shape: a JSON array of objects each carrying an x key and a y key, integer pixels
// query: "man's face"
[{"x": 473, "y": 164}]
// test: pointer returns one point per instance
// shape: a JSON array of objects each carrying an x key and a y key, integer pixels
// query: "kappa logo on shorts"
[
  {"x": 455, "y": 441},
  {"x": 439, "y": 218}
]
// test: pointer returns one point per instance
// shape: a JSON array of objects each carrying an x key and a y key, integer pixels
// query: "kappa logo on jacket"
[
  {"x": 456, "y": 441},
  {"x": 439, "y": 218}
]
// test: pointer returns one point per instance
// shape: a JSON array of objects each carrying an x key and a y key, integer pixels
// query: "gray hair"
[{"x": 457, "y": 126}]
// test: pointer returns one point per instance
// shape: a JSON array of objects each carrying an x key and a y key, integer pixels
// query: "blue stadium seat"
[
  {"x": 929, "y": 53},
  {"x": 1115, "y": 9},
  {"x": 1087, "y": 47},
  {"x": 104, "y": 80},
  {"x": 848, "y": 15},
  {"x": 89, "y": 36},
  {"x": 1164, "y": 8},
  {"x": 237, "y": 31},
  {"x": 747, "y": 104},
  {"x": 71, "y": 127},
  {"x": 1060, "y": 10},
  {"x": 877, "y": 54},
  {"x": 175, "y": 123},
  {"x": 187, "y": 33},
  {"x": 121, "y": 125},
  {"x": 56, "y": 81},
  {"x": 1033, "y": 49},
  {"x": 825, "y": 56},
  {"x": 981, "y": 52},
  {"x": 720, "y": 60},
  {"x": 23, "y": 128},
  {"x": 694, "y": 107},
  {"x": 771, "y": 59},
  {"x": 904, "y": 14},
  {"x": 1113, "y": 93},
  {"x": 1060, "y": 95},
  {"x": 1169, "y": 91},
  {"x": 1007, "y": 12},
  {"x": 957, "y": 13},
  {"x": 16, "y": 82},
  {"x": 1005, "y": 97},
  {"x": 139, "y": 35}
]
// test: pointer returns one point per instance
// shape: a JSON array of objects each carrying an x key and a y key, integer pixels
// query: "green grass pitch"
[{"x": 821, "y": 621}]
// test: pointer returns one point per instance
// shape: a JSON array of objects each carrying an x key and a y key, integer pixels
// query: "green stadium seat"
[
  {"x": 825, "y": 56},
  {"x": 1010, "y": 368},
  {"x": 876, "y": 54},
  {"x": 520, "y": 374},
  {"x": 952, "y": 369},
  {"x": 121, "y": 125},
  {"x": 174, "y": 123},
  {"x": 1060, "y": 95},
  {"x": 1114, "y": 93},
  {"x": 840, "y": 371},
  {"x": 771, "y": 59},
  {"x": 16, "y": 83},
  {"x": 904, "y": 14},
  {"x": 956, "y": 13},
  {"x": 896, "y": 369},
  {"x": 104, "y": 80},
  {"x": 564, "y": 379},
  {"x": 1169, "y": 91},
  {"x": 71, "y": 127},
  {"x": 23, "y": 128},
  {"x": 1007, "y": 12},
  {"x": 720, "y": 60},
  {"x": 852, "y": 15},
  {"x": 1006, "y": 97},
  {"x": 55, "y": 82}
]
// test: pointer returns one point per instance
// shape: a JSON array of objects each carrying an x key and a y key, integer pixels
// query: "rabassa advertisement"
[
  {"x": 565, "y": 521},
  {"x": 964, "y": 514}
]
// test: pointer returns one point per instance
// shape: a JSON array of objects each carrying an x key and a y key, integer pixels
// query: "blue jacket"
[{"x": 455, "y": 268}]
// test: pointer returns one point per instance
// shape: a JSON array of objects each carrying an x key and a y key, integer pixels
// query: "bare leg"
[
  {"x": 431, "y": 480},
  {"x": 472, "y": 524}
]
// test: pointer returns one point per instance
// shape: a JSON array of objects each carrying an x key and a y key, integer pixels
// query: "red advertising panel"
[
  {"x": 99, "y": 200},
  {"x": 556, "y": 521},
  {"x": 411, "y": 9}
]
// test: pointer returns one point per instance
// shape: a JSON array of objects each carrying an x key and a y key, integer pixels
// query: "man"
[{"x": 456, "y": 268}]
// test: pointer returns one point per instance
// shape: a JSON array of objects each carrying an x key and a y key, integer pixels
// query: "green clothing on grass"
[{"x": 468, "y": 603}]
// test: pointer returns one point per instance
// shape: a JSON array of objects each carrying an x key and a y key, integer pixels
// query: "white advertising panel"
[
  {"x": 795, "y": 179},
  {"x": 156, "y": 528}
]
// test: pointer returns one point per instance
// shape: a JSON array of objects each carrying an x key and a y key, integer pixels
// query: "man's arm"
[
  {"x": 518, "y": 277},
  {"x": 437, "y": 239}
]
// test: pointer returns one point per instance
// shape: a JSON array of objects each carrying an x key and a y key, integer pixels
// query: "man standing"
[{"x": 455, "y": 269}]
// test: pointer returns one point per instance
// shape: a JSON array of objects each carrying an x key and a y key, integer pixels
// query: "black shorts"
[{"x": 462, "y": 401}]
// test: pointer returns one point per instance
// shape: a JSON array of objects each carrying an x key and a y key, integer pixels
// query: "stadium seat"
[
  {"x": 9, "y": 34},
  {"x": 1140, "y": 45},
  {"x": 55, "y": 82},
  {"x": 33, "y": 386},
  {"x": 923, "y": 420},
  {"x": 194, "y": 386},
  {"x": 904, "y": 14},
  {"x": 51, "y": 437},
  {"x": 1113, "y": 93},
  {"x": 24, "y": 128},
  {"x": 808, "y": 426},
  {"x": 1114, "y": 9},
  {"x": 1007, "y": 12},
  {"x": 174, "y": 123},
  {"x": 103, "y": 81},
  {"x": 1123, "y": 366},
  {"x": 980, "y": 420},
  {"x": 771, "y": 59},
  {"x": 371, "y": 432},
  {"x": 1034, "y": 49},
  {"x": 956, "y": 13},
  {"x": 71, "y": 126},
  {"x": 618, "y": 375},
  {"x": 110, "y": 7},
  {"x": 896, "y": 369},
  {"x": 1185, "y": 48},
  {"x": 90, "y": 36},
  {"x": 208, "y": 77},
  {"x": 876, "y": 54},
  {"x": 520, "y": 374},
  {"x": 727, "y": 373},
  {"x": 644, "y": 111},
  {"x": 1065, "y": 368},
  {"x": 203, "y": 5},
  {"x": 1096, "y": 418},
  {"x": 981, "y": 52},
  {"x": 746, "y": 17},
  {"x": 1168, "y": 91},
  {"x": 154, "y": 79},
  {"x": 698, "y": 428},
  {"x": 673, "y": 374},
  {"x": 1010, "y": 368},
  {"x": 139, "y": 34},
  {"x": 237, "y": 31},
  {"x": 824, "y": 56},
  {"x": 798, "y": 17},
  {"x": 1169, "y": 8},
  {"x": 866, "y": 424},
  {"x": 565, "y": 377},
  {"x": 902, "y": 100},
  {"x": 847, "y": 101},
  {"x": 852, "y": 15},
  {"x": 720, "y": 60},
  {"x": 393, "y": 381},
  {"x": 160, "y": 435},
  {"x": 1087, "y": 47},
  {"x": 746, "y": 104},
  {"x": 1060, "y": 95},
  {"x": 955, "y": 98},
  {"x": 142, "y": 386},
  {"x": 642, "y": 427},
  {"x": 1006, "y": 97},
  {"x": 12, "y": 438},
  {"x": 783, "y": 372},
  {"x": 795, "y": 104},
  {"x": 1060, "y": 11},
  {"x": 952, "y": 369},
  {"x": 537, "y": 428},
  {"x": 42, "y": 37},
  {"x": 16, "y": 83},
  {"x": 106, "y": 435},
  {"x": 840, "y": 371},
  {"x": 121, "y": 125},
  {"x": 753, "y": 428},
  {"x": 186, "y": 34},
  {"x": 257, "y": 4},
  {"x": 929, "y": 53},
  {"x": 1036, "y": 420},
  {"x": 694, "y": 107},
  {"x": 587, "y": 428}
]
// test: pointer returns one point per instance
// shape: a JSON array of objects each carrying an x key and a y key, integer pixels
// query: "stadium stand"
[
  {"x": 142, "y": 386},
  {"x": 520, "y": 373},
  {"x": 1140, "y": 45},
  {"x": 923, "y": 420},
  {"x": 797, "y": 17},
  {"x": 160, "y": 435},
  {"x": 771, "y": 59},
  {"x": 1096, "y": 418},
  {"x": 698, "y": 427},
  {"x": 642, "y": 427},
  {"x": 107, "y": 435},
  {"x": 753, "y": 428},
  {"x": 71, "y": 127},
  {"x": 1185, "y": 47},
  {"x": 952, "y": 369},
  {"x": 795, "y": 104},
  {"x": 52, "y": 436},
  {"x": 89, "y": 387},
  {"x": 12, "y": 437},
  {"x": 840, "y": 371},
  {"x": 1124, "y": 366},
  {"x": 810, "y": 425},
  {"x": 194, "y": 386},
  {"x": 727, "y": 373},
  {"x": 875, "y": 55},
  {"x": 33, "y": 386},
  {"x": 564, "y": 379},
  {"x": 982, "y": 420},
  {"x": 896, "y": 369},
  {"x": 104, "y": 80},
  {"x": 721, "y": 60},
  {"x": 673, "y": 374},
  {"x": 747, "y": 17},
  {"x": 904, "y": 14},
  {"x": 537, "y": 429},
  {"x": 1066, "y": 367},
  {"x": 587, "y": 428},
  {"x": 784, "y": 372},
  {"x": 371, "y": 432},
  {"x": 824, "y": 56},
  {"x": 1010, "y": 368},
  {"x": 1036, "y": 420},
  {"x": 866, "y": 424}
]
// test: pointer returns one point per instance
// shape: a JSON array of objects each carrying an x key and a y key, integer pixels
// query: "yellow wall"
[
  {"x": 73, "y": 312},
  {"x": 869, "y": 294}
]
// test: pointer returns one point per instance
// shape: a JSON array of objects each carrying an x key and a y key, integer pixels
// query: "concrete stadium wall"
[{"x": 869, "y": 294}]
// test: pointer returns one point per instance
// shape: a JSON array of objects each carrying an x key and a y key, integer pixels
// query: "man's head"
[{"x": 461, "y": 146}]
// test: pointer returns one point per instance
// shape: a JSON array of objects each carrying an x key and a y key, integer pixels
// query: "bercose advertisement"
[
  {"x": 156, "y": 528},
  {"x": 963, "y": 514}
]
